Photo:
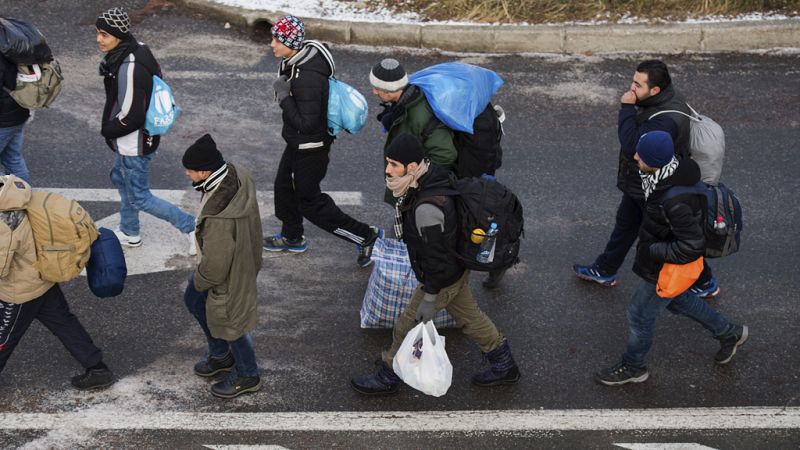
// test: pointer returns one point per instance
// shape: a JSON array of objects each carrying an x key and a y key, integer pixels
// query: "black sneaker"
[
  {"x": 231, "y": 388},
  {"x": 730, "y": 342},
  {"x": 212, "y": 366},
  {"x": 621, "y": 373},
  {"x": 365, "y": 249},
  {"x": 93, "y": 379}
]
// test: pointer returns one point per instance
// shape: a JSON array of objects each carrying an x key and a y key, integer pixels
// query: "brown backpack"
[
  {"x": 63, "y": 233},
  {"x": 37, "y": 85}
]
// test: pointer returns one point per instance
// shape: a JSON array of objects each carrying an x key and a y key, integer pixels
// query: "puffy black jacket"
[
  {"x": 431, "y": 252},
  {"x": 305, "y": 111},
  {"x": 634, "y": 121},
  {"x": 672, "y": 230},
  {"x": 129, "y": 85},
  {"x": 11, "y": 114}
]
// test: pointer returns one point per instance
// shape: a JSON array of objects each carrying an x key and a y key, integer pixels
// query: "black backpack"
[
  {"x": 480, "y": 152},
  {"x": 479, "y": 202},
  {"x": 722, "y": 218}
]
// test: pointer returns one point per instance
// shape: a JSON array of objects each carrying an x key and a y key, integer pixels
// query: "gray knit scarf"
[{"x": 650, "y": 180}]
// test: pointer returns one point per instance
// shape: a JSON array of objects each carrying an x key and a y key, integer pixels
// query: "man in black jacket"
[
  {"x": 671, "y": 232},
  {"x": 651, "y": 91},
  {"x": 127, "y": 70},
  {"x": 302, "y": 92},
  {"x": 12, "y": 124},
  {"x": 428, "y": 223}
]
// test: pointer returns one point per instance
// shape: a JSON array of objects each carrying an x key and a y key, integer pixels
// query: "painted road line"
[
  {"x": 683, "y": 419},
  {"x": 665, "y": 446},
  {"x": 176, "y": 196},
  {"x": 245, "y": 447}
]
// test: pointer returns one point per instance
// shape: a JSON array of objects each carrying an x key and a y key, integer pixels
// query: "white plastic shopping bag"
[{"x": 422, "y": 362}]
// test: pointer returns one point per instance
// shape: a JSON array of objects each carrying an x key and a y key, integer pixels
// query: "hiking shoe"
[
  {"x": 232, "y": 387},
  {"x": 278, "y": 243},
  {"x": 621, "y": 373},
  {"x": 212, "y": 366},
  {"x": 709, "y": 289},
  {"x": 730, "y": 342},
  {"x": 192, "y": 242},
  {"x": 93, "y": 379},
  {"x": 593, "y": 273},
  {"x": 126, "y": 240},
  {"x": 381, "y": 382},
  {"x": 365, "y": 249}
]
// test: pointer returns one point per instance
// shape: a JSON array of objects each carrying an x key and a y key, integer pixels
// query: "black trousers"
[
  {"x": 630, "y": 215},
  {"x": 298, "y": 195},
  {"x": 52, "y": 311}
]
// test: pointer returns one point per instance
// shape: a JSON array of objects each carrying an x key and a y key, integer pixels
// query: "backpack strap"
[
  {"x": 427, "y": 130},
  {"x": 694, "y": 116},
  {"x": 325, "y": 54}
]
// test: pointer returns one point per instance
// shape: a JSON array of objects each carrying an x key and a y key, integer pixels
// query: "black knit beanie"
[
  {"x": 115, "y": 22},
  {"x": 405, "y": 149},
  {"x": 388, "y": 75},
  {"x": 203, "y": 155}
]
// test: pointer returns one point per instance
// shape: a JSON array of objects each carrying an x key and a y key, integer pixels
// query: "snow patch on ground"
[{"x": 355, "y": 11}]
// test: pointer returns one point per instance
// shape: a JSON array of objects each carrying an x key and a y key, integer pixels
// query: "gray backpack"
[{"x": 706, "y": 144}]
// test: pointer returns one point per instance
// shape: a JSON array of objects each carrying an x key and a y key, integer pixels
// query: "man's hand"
[
  {"x": 628, "y": 98},
  {"x": 426, "y": 310},
  {"x": 281, "y": 86}
]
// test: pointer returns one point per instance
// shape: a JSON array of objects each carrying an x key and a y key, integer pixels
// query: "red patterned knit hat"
[{"x": 289, "y": 31}]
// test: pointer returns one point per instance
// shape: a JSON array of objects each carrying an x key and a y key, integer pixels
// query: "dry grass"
[{"x": 542, "y": 11}]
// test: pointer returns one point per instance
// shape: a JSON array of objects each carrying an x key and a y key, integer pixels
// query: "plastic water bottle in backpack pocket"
[{"x": 162, "y": 111}]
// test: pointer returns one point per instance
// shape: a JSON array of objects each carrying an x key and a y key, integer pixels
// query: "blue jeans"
[
  {"x": 646, "y": 305},
  {"x": 242, "y": 348},
  {"x": 11, "y": 152},
  {"x": 130, "y": 175}
]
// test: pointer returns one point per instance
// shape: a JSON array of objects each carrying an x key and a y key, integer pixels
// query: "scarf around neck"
[
  {"x": 400, "y": 185},
  {"x": 113, "y": 59},
  {"x": 650, "y": 180},
  {"x": 213, "y": 180}
]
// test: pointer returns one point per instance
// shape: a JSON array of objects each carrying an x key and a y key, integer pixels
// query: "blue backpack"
[
  {"x": 162, "y": 111},
  {"x": 347, "y": 108},
  {"x": 106, "y": 270},
  {"x": 722, "y": 218}
]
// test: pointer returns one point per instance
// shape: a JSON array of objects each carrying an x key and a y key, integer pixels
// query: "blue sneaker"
[
  {"x": 592, "y": 273},
  {"x": 709, "y": 289},
  {"x": 278, "y": 243},
  {"x": 365, "y": 249}
]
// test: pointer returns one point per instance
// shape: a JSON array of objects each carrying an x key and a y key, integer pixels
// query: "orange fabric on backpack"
[{"x": 675, "y": 279}]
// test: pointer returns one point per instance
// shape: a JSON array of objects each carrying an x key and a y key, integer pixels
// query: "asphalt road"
[{"x": 560, "y": 158}]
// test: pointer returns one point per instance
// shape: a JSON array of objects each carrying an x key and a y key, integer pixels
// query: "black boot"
[
  {"x": 381, "y": 382},
  {"x": 95, "y": 377},
  {"x": 233, "y": 387},
  {"x": 503, "y": 369},
  {"x": 212, "y": 366}
]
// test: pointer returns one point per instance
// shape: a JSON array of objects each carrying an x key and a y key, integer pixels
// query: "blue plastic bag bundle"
[
  {"x": 106, "y": 270},
  {"x": 457, "y": 92},
  {"x": 347, "y": 108},
  {"x": 162, "y": 112}
]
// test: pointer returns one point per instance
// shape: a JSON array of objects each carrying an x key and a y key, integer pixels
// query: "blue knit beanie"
[{"x": 655, "y": 149}]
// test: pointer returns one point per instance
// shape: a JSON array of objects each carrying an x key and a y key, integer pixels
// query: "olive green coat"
[
  {"x": 229, "y": 240},
  {"x": 412, "y": 118}
]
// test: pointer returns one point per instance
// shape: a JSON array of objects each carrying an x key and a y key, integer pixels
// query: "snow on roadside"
[{"x": 350, "y": 10}]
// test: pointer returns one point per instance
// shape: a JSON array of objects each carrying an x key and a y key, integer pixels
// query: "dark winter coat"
[
  {"x": 229, "y": 242},
  {"x": 128, "y": 83},
  {"x": 11, "y": 114},
  {"x": 431, "y": 252},
  {"x": 634, "y": 121},
  {"x": 672, "y": 230},
  {"x": 411, "y": 114},
  {"x": 305, "y": 111}
]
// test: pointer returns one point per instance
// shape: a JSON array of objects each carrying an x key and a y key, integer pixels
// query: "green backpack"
[{"x": 37, "y": 85}]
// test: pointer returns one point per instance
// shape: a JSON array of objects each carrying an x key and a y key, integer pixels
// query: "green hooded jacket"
[
  {"x": 413, "y": 116},
  {"x": 229, "y": 242}
]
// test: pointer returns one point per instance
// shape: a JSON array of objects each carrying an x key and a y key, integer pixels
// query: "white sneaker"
[
  {"x": 192, "y": 243},
  {"x": 128, "y": 241}
]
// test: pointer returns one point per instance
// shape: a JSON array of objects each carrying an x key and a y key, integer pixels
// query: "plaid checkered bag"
[{"x": 390, "y": 287}]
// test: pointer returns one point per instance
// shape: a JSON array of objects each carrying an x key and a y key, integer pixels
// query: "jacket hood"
[
  {"x": 14, "y": 193},
  {"x": 314, "y": 56},
  {"x": 664, "y": 96},
  {"x": 240, "y": 190},
  {"x": 686, "y": 174},
  {"x": 436, "y": 177}
]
